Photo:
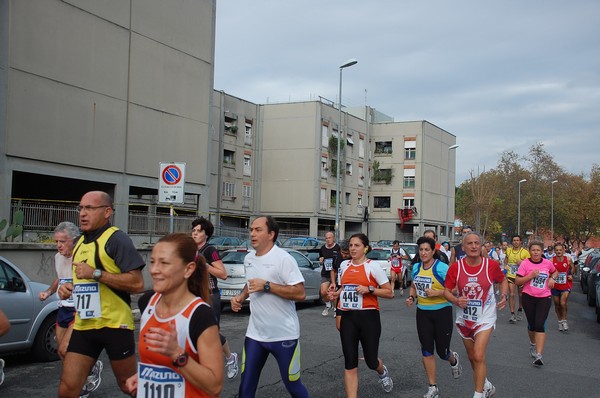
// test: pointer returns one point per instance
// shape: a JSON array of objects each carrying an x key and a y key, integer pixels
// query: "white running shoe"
[
  {"x": 325, "y": 311},
  {"x": 1, "y": 371},
  {"x": 538, "y": 360},
  {"x": 488, "y": 389},
  {"x": 513, "y": 319},
  {"x": 457, "y": 367},
  {"x": 386, "y": 382},
  {"x": 433, "y": 392},
  {"x": 532, "y": 350},
  {"x": 519, "y": 315},
  {"x": 560, "y": 326},
  {"x": 93, "y": 380},
  {"x": 232, "y": 366},
  {"x": 565, "y": 325}
]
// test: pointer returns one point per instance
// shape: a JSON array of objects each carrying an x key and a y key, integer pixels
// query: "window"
[
  {"x": 323, "y": 167},
  {"x": 332, "y": 198},
  {"x": 382, "y": 202},
  {"x": 323, "y": 198},
  {"x": 361, "y": 147},
  {"x": 410, "y": 150},
  {"x": 349, "y": 139},
  {"x": 347, "y": 198},
  {"x": 349, "y": 169},
  {"x": 247, "y": 165},
  {"x": 409, "y": 181},
  {"x": 324, "y": 136},
  {"x": 247, "y": 191},
  {"x": 409, "y": 203},
  {"x": 383, "y": 147},
  {"x": 248, "y": 133},
  {"x": 361, "y": 176},
  {"x": 230, "y": 124},
  {"x": 228, "y": 157},
  {"x": 228, "y": 189}
]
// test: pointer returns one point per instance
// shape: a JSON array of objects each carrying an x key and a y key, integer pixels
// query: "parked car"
[
  {"x": 593, "y": 277},
  {"x": 313, "y": 255},
  {"x": 236, "y": 274},
  {"x": 410, "y": 249},
  {"x": 598, "y": 301},
  {"x": 589, "y": 264},
  {"x": 248, "y": 244},
  {"x": 33, "y": 322},
  {"x": 381, "y": 256},
  {"x": 218, "y": 241},
  {"x": 302, "y": 241},
  {"x": 383, "y": 244}
]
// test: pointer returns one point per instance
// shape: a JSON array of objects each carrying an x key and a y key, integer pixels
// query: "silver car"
[
  {"x": 32, "y": 322},
  {"x": 236, "y": 274}
]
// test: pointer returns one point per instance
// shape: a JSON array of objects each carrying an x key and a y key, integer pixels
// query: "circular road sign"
[{"x": 171, "y": 175}]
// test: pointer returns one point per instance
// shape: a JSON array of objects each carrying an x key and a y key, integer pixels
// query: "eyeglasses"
[{"x": 87, "y": 209}]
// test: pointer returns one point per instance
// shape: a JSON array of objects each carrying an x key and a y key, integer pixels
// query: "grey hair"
[
  {"x": 69, "y": 228},
  {"x": 474, "y": 233}
]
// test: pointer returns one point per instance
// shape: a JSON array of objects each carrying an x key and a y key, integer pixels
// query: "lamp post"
[
  {"x": 552, "y": 211},
  {"x": 451, "y": 147},
  {"x": 519, "y": 208},
  {"x": 346, "y": 64}
]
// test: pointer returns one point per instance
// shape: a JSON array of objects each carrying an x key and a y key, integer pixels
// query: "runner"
[
  {"x": 474, "y": 277},
  {"x": 537, "y": 274},
  {"x": 396, "y": 256},
  {"x": 179, "y": 343},
  {"x": 328, "y": 254},
  {"x": 65, "y": 235},
  {"x": 202, "y": 230},
  {"x": 274, "y": 284},
  {"x": 434, "y": 313},
  {"x": 457, "y": 252},
  {"x": 514, "y": 256},
  {"x": 361, "y": 283},
  {"x": 344, "y": 255},
  {"x": 563, "y": 285}
]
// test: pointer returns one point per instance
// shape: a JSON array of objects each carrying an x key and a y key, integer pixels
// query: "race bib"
[
  {"x": 513, "y": 269},
  {"x": 62, "y": 281},
  {"x": 421, "y": 284},
  {"x": 539, "y": 282},
  {"x": 395, "y": 262},
  {"x": 473, "y": 310},
  {"x": 350, "y": 299},
  {"x": 156, "y": 381},
  {"x": 328, "y": 264},
  {"x": 87, "y": 300},
  {"x": 561, "y": 278}
]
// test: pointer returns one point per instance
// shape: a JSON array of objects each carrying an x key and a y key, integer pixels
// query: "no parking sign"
[{"x": 171, "y": 180}]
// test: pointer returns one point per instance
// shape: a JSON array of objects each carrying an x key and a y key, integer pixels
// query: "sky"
[{"x": 499, "y": 75}]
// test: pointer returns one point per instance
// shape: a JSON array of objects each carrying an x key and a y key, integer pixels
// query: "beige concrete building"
[{"x": 93, "y": 95}]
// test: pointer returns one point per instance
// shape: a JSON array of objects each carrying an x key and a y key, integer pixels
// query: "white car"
[{"x": 381, "y": 256}]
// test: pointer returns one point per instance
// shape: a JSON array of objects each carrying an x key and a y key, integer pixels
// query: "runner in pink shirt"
[{"x": 537, "y": 275}]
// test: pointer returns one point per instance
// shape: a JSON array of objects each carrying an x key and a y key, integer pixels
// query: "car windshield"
[
  {"x": 235, "y": 257},
  {"x": 410, "y": 249},
  {"x": 378, "y": 255}
]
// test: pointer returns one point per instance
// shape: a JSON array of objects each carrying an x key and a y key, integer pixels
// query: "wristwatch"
[
  {"x": 97, "y": 275},
  {"x": 371, "y": 289},
  {"x": 267, "y": 287},
  {"x": 181, "y": 360}
]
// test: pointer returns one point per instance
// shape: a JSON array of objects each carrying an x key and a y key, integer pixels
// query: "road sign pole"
[{"x": 171, "y": 220}]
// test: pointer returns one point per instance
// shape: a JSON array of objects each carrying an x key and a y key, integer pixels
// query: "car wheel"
[
  {"x": 584, "y": 287},
  {"x": 598, "y": 314},
  {"x": 45, "y": 348},
  {"x": 591, "y": 300}
]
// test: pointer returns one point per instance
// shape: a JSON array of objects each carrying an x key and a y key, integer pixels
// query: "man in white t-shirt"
[{"x": 274, "y": 284}]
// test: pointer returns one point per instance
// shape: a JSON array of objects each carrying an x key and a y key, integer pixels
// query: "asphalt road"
[{"x": 572, "y": 359}]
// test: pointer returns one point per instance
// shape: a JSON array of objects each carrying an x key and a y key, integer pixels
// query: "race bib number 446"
[
  {"x": 87, "y": 300},
  {"x": 156, "y": 381},
  {"x": 350, "y": 299}
]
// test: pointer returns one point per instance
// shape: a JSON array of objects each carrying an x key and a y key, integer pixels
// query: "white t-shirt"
[
  {"x": 273, "y": 318},
  {"x": 64, "y": 271}
]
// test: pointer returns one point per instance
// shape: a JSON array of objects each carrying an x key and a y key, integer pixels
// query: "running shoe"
[
  {"x": 565, "y": 325},
  {"x": 538, "y": 360},
  {"x": 93, "y": 380},
  {"x": 512, "y": 319},
  {"x": 520, "y": 315},
  {"x": 532, "y": 350},
  {"x": 386, "y": 381},
  {"x": 488, "y": 389},
  {"x": 457, "y": 367},
  {"x": 401, "y": 292},
  {"x": 560, "y": 326},
  {"x": 232, "y": 366},
  {"x": 433, "y": 392},
  {"x": 325, "y": 311},
  {"x": 1, "y": 371}
]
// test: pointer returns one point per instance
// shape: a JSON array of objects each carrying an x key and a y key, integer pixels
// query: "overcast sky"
[{"x": 499, "y": 75}]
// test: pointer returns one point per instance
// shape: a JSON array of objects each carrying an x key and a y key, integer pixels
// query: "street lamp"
[
  {"x": 451, "y": 147},
  {"x": 346, "y": 64},
  {"x": 552, "y": 212},
  {"x": 519, "y": 208}
]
